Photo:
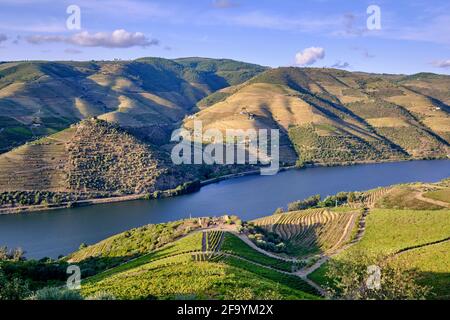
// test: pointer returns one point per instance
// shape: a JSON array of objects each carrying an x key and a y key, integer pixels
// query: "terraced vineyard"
[
  {"x": 214, "y": 239},
  {"x": 235, "y": 246},
  {"x": 312, "y": 231},
  {"x": 204, "y": 270},
  {"x": 36, "y": 166},
  {"x": 372, "y": 196}
]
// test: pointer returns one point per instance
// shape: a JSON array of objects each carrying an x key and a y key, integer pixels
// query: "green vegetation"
[
  {"x": 350, "y": 280},
  {"x": 174, "y": 271},
  {"x": 311, "y": 231},
  {"x": 338, "y": 147},
  {"x": 404, "y": 197},
  {"x": 431, "y": 264},
  {"x": 213, "y": 240},
  {"x": 177, "y": 250},
  {"x": 412, "y": 228},
  {"x": 198, "y": 280},
  {"x": 236, "y": 246},
  {"x": 395, "y": 236},
  {"x": 281, "y": 278},
  {"x": 134, "y": 242}
]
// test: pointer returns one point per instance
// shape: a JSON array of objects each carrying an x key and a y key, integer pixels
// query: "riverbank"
[
  {"x": 52, "y": 233},
  {"x": 172, "y": 192}
]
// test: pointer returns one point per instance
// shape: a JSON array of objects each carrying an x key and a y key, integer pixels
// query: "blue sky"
[{"x": 414, "y": 35}]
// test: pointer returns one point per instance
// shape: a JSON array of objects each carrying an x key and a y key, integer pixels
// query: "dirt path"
[
  {"x": 419, "y": 196},
  {"x": 251, "y": 244}
]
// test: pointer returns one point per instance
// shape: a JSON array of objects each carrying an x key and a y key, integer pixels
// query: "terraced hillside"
[
  {"x": 335, "y": 116},
  {"x": 91, "y": 157},
  {"x": 312, "y": 231},
  {"x": 39, "y": 98},
  {"x": 199, "y": 265}
]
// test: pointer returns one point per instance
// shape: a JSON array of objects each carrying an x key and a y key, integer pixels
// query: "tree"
[
  {"x": 352, "y": 279},
  {"x": 278, "y": 211},
  {"x": 18, "y": 254}
]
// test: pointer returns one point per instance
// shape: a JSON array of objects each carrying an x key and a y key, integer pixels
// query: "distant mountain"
[
  {"x": 38, "y": 98},
  {"x": 336, "y": 116},
  {"x": 325, "y": 116}
]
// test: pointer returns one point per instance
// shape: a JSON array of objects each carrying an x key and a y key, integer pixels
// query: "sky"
[{"x": 383, "y": 36}]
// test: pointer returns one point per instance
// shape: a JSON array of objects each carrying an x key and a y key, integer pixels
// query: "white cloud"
[
  {"x": 117, "y": 39},
  {"x": 442, "y": 63},
  {"x": 3, "y": 37},
  {"x": 309, "y": 56}
]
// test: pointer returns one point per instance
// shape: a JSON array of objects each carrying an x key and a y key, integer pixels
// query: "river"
[{"x": 54, "y": 232}]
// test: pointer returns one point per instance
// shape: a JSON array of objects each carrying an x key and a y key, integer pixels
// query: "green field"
[
  {"x": 236, "y": 246},
  {"x": 391, "y": 231},
  {"x": 432, "y": 263},
  {"x": 199, "y": 280},
  {"x": 171, "y": 273},
  {"x": 136, "y": 241}
]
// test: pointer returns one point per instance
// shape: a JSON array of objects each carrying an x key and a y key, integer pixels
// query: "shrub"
[
  {"x": 350, "y": 280},
  {"x": 52, "y": 293},
  {"x": 304, "y": 204},
  {"x": 12, "y": 288},
  {"x": 278, "y": 211},
  {"x": 101, "y": 295}
]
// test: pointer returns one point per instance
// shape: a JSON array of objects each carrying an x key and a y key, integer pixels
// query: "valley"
[
  {"x": 100, "y": 131},
  {"x": 73, "y": 134}
]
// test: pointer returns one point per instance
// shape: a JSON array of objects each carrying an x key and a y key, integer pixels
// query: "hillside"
[
  {"x": 325, "y": 116},
  {"x": 335, "y": 116},
  {"x": 38, "y": 98},
  {"x": 314, "y": 231},
  {"x": 209, "y": 261},
  {"x": 91, "y": 159}
]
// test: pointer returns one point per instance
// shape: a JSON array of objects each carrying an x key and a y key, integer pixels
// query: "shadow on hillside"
[
  {"x": 300, "y": 242},
  {"x": 439, "y": 283}
]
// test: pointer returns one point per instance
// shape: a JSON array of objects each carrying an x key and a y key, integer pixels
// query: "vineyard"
[
  {"x": 235, "y": 246},
  {"x": 312, "y": 231},
  {"x": 371, "y": 197},
  {"x": 214, "y": 240},
  {"x": 210, "y": 264}
]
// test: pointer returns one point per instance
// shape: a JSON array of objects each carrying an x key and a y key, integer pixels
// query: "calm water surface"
[{"x": 51, "y": 233}]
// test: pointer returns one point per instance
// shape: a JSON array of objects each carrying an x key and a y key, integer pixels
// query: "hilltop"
[
  {"x": 92, "y": 159},
  {"x": 38, "y": 98},
  {"x": 336, "y": 116}
]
